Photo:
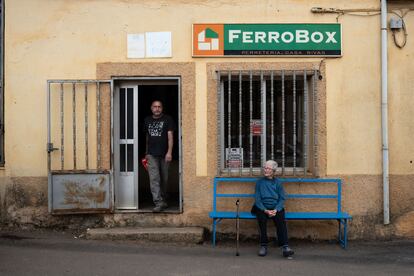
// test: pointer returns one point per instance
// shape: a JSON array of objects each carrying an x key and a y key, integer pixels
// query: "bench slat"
[
  {"x": 230, "y": 215},
  {"x": 235, "y": 195},
  {"x": 317, "y": 215},
  {"x": 287, "y": 195},
  {"x": 311, "y": 196},
  {"x": 310, "y": 180},
  {"x": 288, "y": 215}
]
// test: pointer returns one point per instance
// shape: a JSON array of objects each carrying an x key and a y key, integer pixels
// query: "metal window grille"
[{"x": 266, "y": 115}]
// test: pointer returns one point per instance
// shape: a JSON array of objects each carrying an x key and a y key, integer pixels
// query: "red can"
[{"x": 144, "y": 163}]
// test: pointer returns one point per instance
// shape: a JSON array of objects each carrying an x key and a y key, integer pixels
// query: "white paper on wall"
[
  {"x": 136, "y": 45},
  {"x": 158, "y": 44}
]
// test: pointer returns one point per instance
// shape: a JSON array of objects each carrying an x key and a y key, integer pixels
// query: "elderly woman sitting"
[{"x": 269, "y": 204}]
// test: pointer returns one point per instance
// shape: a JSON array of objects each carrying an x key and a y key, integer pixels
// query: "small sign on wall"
[
  {"x": 234, "y": 157},
  {"x": 136, "y": 45},
  {"x": 149, "y": 45},
  {"x": 256, "y": 127},
  {"x": 158, "y": 44}
]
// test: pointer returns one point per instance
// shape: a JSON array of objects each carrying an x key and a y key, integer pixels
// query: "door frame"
[{"x": 117, "y": 82}]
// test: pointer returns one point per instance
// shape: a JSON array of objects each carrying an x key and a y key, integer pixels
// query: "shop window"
[{"x": 266, "y": 115}]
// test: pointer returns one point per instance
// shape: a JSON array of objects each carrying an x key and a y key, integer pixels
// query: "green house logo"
[{"x": 208, "y": 40}]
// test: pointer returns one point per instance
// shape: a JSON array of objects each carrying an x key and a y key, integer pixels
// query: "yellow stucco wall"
[
  {"x": 66, "y": 39},
  {"x": 401, "y": 99}
]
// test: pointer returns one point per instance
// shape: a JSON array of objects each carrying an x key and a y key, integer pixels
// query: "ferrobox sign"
[{"x": 222, "y": 40}]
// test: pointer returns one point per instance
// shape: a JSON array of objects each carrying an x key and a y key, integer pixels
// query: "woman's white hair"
[{"x": 272, "y": 164}]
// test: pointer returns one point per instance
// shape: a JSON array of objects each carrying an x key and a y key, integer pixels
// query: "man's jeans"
[{"x": 158, "y": 174}]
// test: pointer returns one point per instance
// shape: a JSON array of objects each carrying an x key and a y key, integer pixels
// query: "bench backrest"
[{"x": 336, "y": 181}]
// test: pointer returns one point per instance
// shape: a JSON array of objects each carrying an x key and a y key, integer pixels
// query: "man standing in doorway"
[{"x": 159, "y": 129}]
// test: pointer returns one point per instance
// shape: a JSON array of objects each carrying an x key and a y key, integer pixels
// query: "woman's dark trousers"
[{"x": 278, "y": 220}]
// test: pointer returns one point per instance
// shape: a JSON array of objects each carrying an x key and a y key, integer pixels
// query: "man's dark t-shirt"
[{"x": 157, "y": 132}]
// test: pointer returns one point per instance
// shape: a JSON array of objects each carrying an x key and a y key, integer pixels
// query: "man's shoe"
[
  {"x": 262, "y": 251},
  {"x": 160, "y": 207},
  {"x": 287, "y": 252},
  {"x": 157, "y": 208}
]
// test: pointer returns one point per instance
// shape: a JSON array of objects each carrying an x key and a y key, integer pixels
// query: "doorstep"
[{"x": 193, "y": 235}]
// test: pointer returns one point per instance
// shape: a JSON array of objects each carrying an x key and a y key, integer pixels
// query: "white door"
[{"x": 125, "y": 145}]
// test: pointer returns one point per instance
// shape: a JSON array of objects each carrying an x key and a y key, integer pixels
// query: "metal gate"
[{"x": 79, "y": 146}]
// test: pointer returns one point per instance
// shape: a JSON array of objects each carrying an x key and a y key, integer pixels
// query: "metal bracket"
[{"x": 50, "y": 147}]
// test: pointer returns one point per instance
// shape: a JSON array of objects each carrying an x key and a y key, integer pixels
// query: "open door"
[
  {"x": 132, "y": 101},
  {"x": 79, "y": 146}
]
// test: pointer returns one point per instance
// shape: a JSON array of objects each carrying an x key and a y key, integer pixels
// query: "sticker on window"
[{"x": 234, "y": 157}]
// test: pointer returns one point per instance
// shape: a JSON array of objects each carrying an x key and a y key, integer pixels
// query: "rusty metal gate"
[{"x": 79, "y": 146}]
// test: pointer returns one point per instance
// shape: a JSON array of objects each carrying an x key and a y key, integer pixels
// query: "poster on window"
[
  {"x": 256, "y": 127},
  {"x": 234, "y": 157}
]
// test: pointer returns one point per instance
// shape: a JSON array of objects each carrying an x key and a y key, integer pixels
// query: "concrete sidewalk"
[
  {"x": 188, "y": 235},
  {"x": 56, "y": 253}
]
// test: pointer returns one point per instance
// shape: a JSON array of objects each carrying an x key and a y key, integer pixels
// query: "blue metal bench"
[{"x": 340, "y": 216}]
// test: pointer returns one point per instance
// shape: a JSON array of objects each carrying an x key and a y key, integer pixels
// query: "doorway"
[{"x": 132, "y": 102}]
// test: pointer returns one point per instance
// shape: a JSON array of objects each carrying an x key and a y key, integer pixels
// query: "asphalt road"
[{"x": 59, "y": 253}]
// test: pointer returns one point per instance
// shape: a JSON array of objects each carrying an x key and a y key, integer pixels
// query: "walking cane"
[{"x": 237, "y": 227}]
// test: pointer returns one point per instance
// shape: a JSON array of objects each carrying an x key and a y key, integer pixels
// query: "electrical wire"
[
  {"x": 404, "y": 29},
  {"x": 371, "y": 12}
]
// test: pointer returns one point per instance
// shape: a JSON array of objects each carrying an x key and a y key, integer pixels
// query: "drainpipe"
[{"x": 384, "y": 112}]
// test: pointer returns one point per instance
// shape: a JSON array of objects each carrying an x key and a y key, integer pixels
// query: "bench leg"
[
  {"x": 339, "y": 232},
  {"x": 215, "y": 222},
  {"x": 342, "y": 232},
  {"x": 214, "y": 233},
  {"x": 345, "y": 233}
]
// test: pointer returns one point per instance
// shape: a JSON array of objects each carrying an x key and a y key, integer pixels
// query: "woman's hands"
[{"x": 270, "y": 213}]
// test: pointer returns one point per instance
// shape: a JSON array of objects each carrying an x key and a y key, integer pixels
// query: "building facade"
[{"x": 245, "y": 81}]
